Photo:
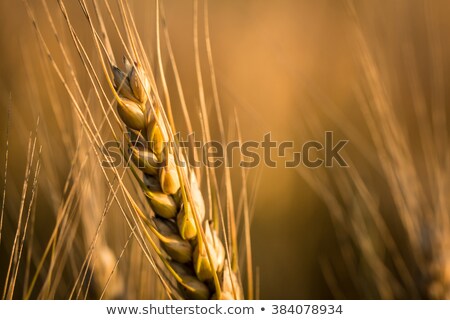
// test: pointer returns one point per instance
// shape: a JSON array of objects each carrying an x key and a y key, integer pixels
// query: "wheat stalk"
[{"x": 196, "y": 255}]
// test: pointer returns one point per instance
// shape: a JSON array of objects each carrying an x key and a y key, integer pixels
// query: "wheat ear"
[{"x": 195, "y": 253}]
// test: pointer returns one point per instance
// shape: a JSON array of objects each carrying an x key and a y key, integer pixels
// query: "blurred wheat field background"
[{"x": 373, "y": 73}]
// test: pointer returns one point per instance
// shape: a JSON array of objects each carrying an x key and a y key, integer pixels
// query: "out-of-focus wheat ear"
[
  {"x": 117, "y": 286},
  {"x": 107, "y": 280}
]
